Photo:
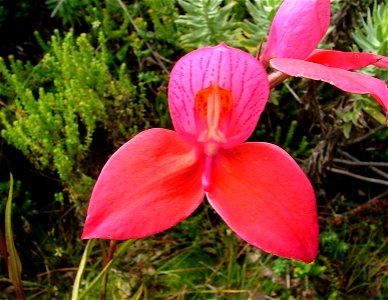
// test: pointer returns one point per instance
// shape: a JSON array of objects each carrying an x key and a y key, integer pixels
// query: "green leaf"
[
  {"x": 14, "y": 264},
  {"x": 81, "y": 268}
]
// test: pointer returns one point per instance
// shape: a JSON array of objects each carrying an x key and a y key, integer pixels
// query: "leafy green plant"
[
  {"x": 332, "y": 244},
  {"x": 45, "y": 124},
  {"x": 372, "y": 34},
  {"x": 289, "y": 140},
  {"x": 163, "y": 15},
  {"x": 256, "y": 29},
  {"x": 91, "y": 92},
  {"x": 371, "y": 37},
  {"x": 207, "y": 22},
  {"x": 53, "y": 125},
  {"x": 70, "y": 11}
]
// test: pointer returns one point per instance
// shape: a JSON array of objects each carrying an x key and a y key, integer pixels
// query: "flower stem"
[
  {"x": 276, "y": 78},
  {"x": 108, "y": 258}
]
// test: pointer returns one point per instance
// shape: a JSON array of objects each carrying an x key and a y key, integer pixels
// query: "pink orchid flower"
[
  {"x": 159, "y": 177},
  {"x": 296, "y": 30}
]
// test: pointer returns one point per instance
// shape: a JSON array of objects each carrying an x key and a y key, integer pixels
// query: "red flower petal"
[
  {"x": 297, "y": 28},
  {"x": 346, "y": 60},
  {"x": 347, "y": 81},
  {"x": 150, "y": 184},
  {"x": 231, "y": 69},
  {"x": 264, "y": 197}
]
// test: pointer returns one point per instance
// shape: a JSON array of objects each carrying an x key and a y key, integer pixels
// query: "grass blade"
[
  {"x": 121, "y": 250},
  {"x": 81, "y": 268},
  {"x": 13, "y": 261}
]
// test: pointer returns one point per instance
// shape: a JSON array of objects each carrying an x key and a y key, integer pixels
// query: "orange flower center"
[{"x": 213, "y": 104}]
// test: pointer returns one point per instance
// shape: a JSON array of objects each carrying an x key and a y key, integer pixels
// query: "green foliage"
[
  {"x": 349, "y": 116},
  {"x": 53, "y": 125},
  {"x": 283, "y": 267},
  {"x": 371, "y": 36},
  {"x": 3, "y": 12},
  {"x": 207, "y": 22},
  {"x": 140, "y": 32},
  {"x": 91, "y": 92},
  {"x": 257, "y": 28},
  {"x": 201, "y": 258},
  {"x": 136, "y": 33},
  {"x": 70, "y": 11},
  {"x": 215, "y": 264},
  {"x": 90, "y": 287},
  {"x": 18, "y": 10},
  {"x": 45, "y": 124},
  {"x": 163, "y": 15},
  {"x": 22, "y": 203},
  {"x": 332, "y": 244},
  {"x": 289, "y": 140}
]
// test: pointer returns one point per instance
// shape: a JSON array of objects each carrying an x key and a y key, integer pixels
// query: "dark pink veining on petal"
[{"x": 233, "y": 70}]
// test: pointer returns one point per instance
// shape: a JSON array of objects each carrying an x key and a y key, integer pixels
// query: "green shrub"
[{"x": 53, "y": 122}]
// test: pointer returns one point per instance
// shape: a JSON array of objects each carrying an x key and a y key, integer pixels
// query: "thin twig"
[
  {"x": 57, "y": 7},
  {"x": 292, "y": 92},
  {"x": 361, "y": 163},
  {"x": 154, "y": 53},
  {"x": 367, "y": 135},
  {"x": 367, "y": 205},
  {"x": 57, "y": 270},
  {"x": 364, "y": 178},
  {"x": 373, "y": 168},
  {"x": 258, "y": 54},
  {"x": 371, "y": 165}
]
